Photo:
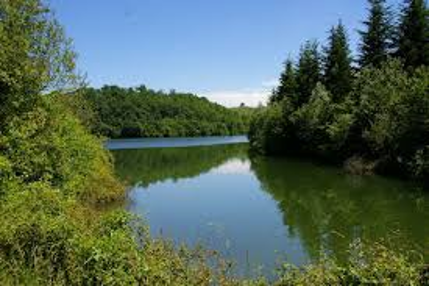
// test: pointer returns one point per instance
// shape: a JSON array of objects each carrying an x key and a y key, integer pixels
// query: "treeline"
[
  {"x": 142, "y": 112},
  {"x": 370, "y": 113}
]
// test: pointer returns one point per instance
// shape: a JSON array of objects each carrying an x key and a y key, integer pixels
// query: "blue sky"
[{"x": 230, "y": 51}]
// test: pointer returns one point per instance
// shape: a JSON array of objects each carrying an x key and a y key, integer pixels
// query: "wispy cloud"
[
  {"x": 233, "y": 98},
  {"x": 249, "y": 96},
  {"x": 271, "y": 83}
]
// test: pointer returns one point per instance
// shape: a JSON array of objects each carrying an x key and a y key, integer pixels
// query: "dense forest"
[
  {"x": 54, "y": 172},
  {"x": 370, "y": 113},
  {"x": 142, "y": 112}
]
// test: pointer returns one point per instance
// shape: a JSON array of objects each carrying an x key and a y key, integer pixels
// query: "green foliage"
[
  {"x": 377, "y": 36},
  {"x": 49, "y": 237},
  {"x": 35, "y": 55},
  {"x": 49, "y": 145},
  {"x": 267, "y": 129},
  {"x": 79, "y": 107},
  {"x": 315, "y": 123},
  {"x": 143, "y": 112},
  {"x": 413, "y": 44},
  {"x": 373, "y": 266},
  {"x": 393, "y": 113},
  {"x": 288, "y": 85},
  {"x": 384, "y": 119},
  {"x": 377, "y": 116},
  {"x": 337, "y": 64},
  {"x": 52, "y": 170},
  {"x": 51, "y": 241},
  {"x": 381, "y": 111},
  {"x": 309, "y": 71}
]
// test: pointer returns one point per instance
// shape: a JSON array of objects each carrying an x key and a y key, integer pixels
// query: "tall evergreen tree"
[
  {"x": 413, "y": 42},
  {"x": 288, "y": 85},
  {"x": 377, "y": 36},
  {"x": 337, "y": 63},
  {"x": 309, "y": 71}
]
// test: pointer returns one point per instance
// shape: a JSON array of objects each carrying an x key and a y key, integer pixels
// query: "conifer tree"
[
  {"x": 337, "y": 63},
  {"x": 377, "y": 35},
  {"x": 309, "y": 71},
  {"x": 288, "y": 85},
  {"x": 413, "y": 41}
]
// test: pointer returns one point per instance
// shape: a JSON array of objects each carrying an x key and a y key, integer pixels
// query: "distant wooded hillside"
[{"x": 143, "y": 112}]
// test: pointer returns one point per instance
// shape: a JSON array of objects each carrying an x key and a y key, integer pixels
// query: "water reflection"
[
  {"x": 254, "y": 210},
  {"x": 329, "y": 210},
  {"x": 148, "y": 166},
  {"x": 233, "y": 166}
]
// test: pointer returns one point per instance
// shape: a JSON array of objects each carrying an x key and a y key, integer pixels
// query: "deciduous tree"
[{"x": 35, "y": 55}]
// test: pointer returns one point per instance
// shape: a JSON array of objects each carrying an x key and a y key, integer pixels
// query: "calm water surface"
[
  {"x": 257, "y": 211},
  {"x": 125, "y": 144}
]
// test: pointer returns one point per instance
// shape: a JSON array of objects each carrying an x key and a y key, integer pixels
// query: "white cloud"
[
  {"x": 234, "y": 166},
  {"x": 233, "y": 98},
  {"x": 248, "y": 96},
  {"x": 271, "y": 83}
]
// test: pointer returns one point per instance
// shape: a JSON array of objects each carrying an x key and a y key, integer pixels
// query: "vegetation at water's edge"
[
  {"x": 372, "y": 118},
  {"x": 53, "y": 172},
  {"x": 141, "y": 112}
]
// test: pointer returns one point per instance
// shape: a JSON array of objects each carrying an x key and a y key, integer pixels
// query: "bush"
[
  {"x": 46, "y": 240},
  {"x": 385, "y": 119},
  {"x": 48, "y": 144},
  {"x": 51, "y": 172},
  {"x": 374, "y": 265}
]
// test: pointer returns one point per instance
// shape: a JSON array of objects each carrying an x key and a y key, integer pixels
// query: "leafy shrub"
[
  {"x": 384, "y": 119},
  {"x": 48, "y": 144},
  {"x": 374, "y": 265}
]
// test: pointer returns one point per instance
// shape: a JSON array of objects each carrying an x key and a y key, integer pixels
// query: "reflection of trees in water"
[
  {"x": 329, "y": 210},
  {"x": 148, "y": 166},
  {"x": 325, "y": 208}
]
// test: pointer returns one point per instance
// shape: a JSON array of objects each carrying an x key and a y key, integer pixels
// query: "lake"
[
  {"x": 125, "y": 144},
  {"x": 259, "y": 211}
]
